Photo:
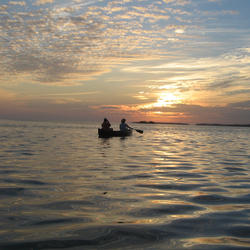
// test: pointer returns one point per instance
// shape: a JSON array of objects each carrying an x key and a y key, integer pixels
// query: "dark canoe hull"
[{"x": 113, "y": 133}]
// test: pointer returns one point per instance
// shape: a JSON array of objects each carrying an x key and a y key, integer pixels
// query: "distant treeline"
[{"x": 198, "y": 124}]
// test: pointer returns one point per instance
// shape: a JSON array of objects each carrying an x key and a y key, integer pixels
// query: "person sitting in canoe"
[
  {"x": 124, "y": 126},
  {"x": 106, "y": 125}
]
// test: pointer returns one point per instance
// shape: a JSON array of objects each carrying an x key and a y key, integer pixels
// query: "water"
[{"x": 173, "y": 187}]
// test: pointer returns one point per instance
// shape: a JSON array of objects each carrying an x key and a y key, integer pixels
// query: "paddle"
[{"x": 138, "y": 130}]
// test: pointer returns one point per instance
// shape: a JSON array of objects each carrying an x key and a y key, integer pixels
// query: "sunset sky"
[{"x": 162, "y": 60}]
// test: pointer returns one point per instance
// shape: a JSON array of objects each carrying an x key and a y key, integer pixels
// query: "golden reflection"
[
  {"x": 218, "y": 241},
  {"x": 230, "y": 207}
]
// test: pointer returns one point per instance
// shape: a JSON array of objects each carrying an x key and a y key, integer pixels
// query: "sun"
[
  {"x": 167, "y": 99},
  {"x": 164, "y": 99}
]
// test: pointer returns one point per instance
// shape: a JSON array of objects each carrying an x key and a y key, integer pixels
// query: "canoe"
[{"x": 113, "y": 133}]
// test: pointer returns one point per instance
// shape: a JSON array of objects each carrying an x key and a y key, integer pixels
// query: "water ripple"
[
  {"x": 220, "y": 199},
  {"x": 11, "y": 191},
  {"x": 178, "y": 187},
  {"x": 165, "y": 210}
]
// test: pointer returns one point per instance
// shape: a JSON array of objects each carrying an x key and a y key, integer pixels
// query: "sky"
[{"x": 163, "y": 60}]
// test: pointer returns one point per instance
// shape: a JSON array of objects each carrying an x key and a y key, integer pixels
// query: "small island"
[{"x": 171, "y": 123}]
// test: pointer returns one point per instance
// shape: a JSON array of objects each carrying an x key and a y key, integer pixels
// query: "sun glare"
[{"x": 166, "y": 99}]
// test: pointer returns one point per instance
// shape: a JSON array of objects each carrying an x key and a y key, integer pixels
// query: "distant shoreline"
[
  {"x": 219, "y": 124},
  {"x": 151, "y": 122},
  {"x": 197, "y": 124}
]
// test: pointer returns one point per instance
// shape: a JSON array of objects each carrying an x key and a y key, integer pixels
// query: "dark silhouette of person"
[
  {"x": 124, "y": 126},
  {"x": 106, "y": 125}
]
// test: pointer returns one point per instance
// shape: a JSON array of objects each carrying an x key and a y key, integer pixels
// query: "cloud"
[
  {"x": 233, "y": 113},
  {"x": 177, "y": 2},
  {"x": 42, "y": 2},
  {"x": 200, "y": 73},
  {"x": 240, "y": 105},
  {"x": 83, "y": 39},
  {"x": 48, "y": 51},
  {"x": 21, "y": 3}
]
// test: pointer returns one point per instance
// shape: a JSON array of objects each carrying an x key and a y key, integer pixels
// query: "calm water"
[{"x": 174, "y": 187}]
